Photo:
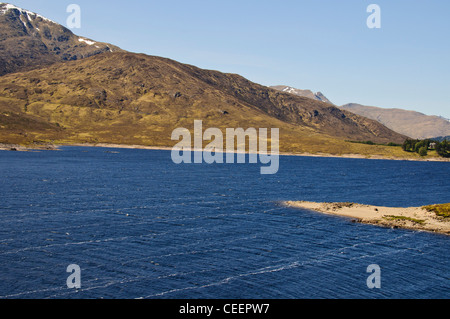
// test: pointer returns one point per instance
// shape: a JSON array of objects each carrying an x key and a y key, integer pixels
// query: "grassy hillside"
[{"x": 130, "y": 98}]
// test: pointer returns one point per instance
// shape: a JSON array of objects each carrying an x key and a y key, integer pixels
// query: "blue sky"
[{"x": 322, "y": 45}]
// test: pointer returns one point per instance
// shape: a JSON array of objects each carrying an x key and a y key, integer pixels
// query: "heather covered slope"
[{"x": 138, "y": 99}]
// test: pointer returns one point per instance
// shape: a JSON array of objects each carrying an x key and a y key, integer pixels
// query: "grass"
[
  {"x": 417, "y": 221},
  {"x": 69, "y": 125},
  {"x": 60, "y": 123},
  {"x": 442, "y": 210},
  {"x": 373, "y": 143},
  {"x": 135, "y": 99}
]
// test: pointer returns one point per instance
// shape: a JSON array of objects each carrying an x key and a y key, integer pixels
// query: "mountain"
[
  {"x": 29, "y": 40},
  {"x": 409, "y": 123},
  {"x": 128, "y": 98},
  {"x": 306, "y": 93},
  {"x": 166, "y": 94}
]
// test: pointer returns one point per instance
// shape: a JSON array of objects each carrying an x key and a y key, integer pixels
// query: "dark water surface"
[{"x": 140, "y": 226}]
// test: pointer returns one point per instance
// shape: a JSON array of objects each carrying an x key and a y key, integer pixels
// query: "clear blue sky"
[{"x": 322, "y": 45}]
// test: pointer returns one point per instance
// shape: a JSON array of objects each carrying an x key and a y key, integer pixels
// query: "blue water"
[{"x": 140, "y": 226}]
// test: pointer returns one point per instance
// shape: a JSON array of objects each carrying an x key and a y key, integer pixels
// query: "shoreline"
[
  {"x": 123, "y": 146},
  {"x": 321, "y": 155},
  {"x": 369, "y": 157},
  {"x": 412, "y": 218},
  {"x": 15, "y": 147},
  {"x": 21, "y": 148}
]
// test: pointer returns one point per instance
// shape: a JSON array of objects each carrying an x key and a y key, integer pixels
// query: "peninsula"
[{"x": 434, "y": 218}]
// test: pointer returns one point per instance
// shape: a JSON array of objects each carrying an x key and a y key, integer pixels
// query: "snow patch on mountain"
[
  {"x": 305, "y": 93},
  {"x": 5, "y": 7},
  {"x": 87, "y": 41}
]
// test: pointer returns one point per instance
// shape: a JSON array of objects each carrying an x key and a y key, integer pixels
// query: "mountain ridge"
[
  {"x": 305, "y": 93},
  {"x": 29, "y": 40},
  {"x": 410, "y": 123}
]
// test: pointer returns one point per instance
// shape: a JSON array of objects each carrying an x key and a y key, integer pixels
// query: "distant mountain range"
[
  {"x": 409, "y": 123},
  {"x": 442, "y": 138},
  {"x": 57, "y": 86}
]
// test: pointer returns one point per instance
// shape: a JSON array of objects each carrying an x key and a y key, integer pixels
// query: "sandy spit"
[{"x": 415, "y": 218}]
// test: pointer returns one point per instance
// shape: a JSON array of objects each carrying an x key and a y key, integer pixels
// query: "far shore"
[
  {"x": 414, "y": 218},
  {"x": 22, "y": 148},
  {"x": 124, "y": 146},
  {"x": 355, "y": 156},
  {"x": 14, "y": 147}
]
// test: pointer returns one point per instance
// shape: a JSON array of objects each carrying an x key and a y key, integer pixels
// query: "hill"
[
  {"x": 120, "y": 91},
  {"x": 410, "y": 123}
]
